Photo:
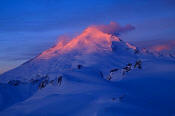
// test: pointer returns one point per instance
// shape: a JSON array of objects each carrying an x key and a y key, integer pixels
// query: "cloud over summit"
[{"x": 115, "y": 28}]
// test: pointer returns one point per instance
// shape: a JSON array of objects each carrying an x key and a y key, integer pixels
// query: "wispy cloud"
[{"x": 115, "y": 28}]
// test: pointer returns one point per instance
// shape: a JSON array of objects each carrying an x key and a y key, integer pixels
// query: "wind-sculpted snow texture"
[{"x": 94, "y": 74}]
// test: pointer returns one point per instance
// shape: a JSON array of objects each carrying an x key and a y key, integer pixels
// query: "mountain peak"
[{"x": 89, "y": 41}]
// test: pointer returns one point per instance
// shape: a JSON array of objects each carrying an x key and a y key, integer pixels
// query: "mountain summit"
[{"x": 89, "y": 41}]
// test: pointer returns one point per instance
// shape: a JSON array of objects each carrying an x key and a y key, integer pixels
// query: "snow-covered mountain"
[
  {"x": 92, "y": 48},
  {"x": 95, "y": 73}
]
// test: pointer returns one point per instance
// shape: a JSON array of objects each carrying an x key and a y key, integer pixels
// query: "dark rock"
[
  {"x": 138, "y": 64},
  {"x": 113, "y": 99},
  {"x": 136, "y": 51},
  {"x": 109, "y": 77},
  {"x": 113, "y": 70},
  {"x": 129, "y": 64},
  {"x": 43, "y": 84},
  {"x": 79, "y": 66},
  {"x": 52, "y": 81},
  {"x": 14, "y": 82},
  {"x": 127, "y": 68},
  {"x": 59, "y": 81},
  {"x": 33, "y": 81},
  {"x": 122, "y": 97},
  {"x": 101, "y": 74}
]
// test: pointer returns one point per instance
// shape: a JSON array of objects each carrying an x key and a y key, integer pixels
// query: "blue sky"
[{"x": 27, "y": 27}]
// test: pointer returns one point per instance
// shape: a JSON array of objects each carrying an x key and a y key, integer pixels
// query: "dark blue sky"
[{"x": 28, "y": 27}]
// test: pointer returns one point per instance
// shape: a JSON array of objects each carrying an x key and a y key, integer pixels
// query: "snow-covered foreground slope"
[
  {"x": 149, "y": 91},
  {"x": 94, "y": 74}
]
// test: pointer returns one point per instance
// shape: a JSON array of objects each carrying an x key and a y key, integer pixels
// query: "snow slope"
[{"x": 94, "y": 74}]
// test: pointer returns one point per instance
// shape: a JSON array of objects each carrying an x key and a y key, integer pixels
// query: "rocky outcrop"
[
  {"x": 119, "y": 73},
  {"x": 59, "y": 80},
  {"x": 14, "y": 82},
  {"x": 79, "y": 66},
  {"x": 138, "y": 64},
  {"x": 43, "y": 84}
]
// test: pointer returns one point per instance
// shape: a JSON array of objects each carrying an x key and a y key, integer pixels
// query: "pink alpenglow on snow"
[
  {"x": 89, "y": 40},
  {"x": 93, "y": 38}
]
